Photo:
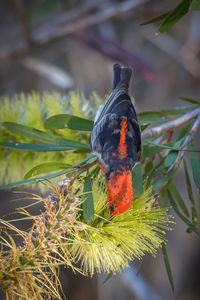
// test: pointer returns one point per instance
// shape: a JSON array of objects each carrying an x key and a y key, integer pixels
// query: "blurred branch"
[
  {"x": 54, "y": 74},
  {"x": 24, "y": 21},
  {"x": 173, "y": 48},
  {"x": 111, "y": 49},
  {"x": 47, "y": 32},
  {"x": 137, "y": 285},
  {"x": 73, "y": 14},
  {"x": 148, "y": 133}
]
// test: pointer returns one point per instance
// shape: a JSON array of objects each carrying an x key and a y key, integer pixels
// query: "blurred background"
[{"x": 60, "y": 45}]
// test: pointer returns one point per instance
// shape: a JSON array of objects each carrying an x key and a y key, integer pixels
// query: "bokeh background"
[{"x": 61, "y": 45}]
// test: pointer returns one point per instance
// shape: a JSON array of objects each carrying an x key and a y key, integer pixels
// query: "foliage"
[
  {"x": 31, "y": 110},
  {"x": 75, "y": 226},
  {"x": 173, "y": 16},
  {"x": 60, "y": 236}
]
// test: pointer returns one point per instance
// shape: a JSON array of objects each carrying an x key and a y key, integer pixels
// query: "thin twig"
[
  {"x": 148, "y": 133},
  {"x": 186, "y": 142},
  {"x": 81, "y": 170}
]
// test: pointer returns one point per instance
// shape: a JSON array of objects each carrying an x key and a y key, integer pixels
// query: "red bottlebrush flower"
[{"x": 116, "y": 141}]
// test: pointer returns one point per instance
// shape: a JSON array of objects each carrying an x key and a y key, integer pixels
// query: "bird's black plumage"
[{"x": 105, "y": 137}]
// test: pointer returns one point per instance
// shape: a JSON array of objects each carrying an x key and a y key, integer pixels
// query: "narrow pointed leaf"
[
  {"x": 190, "y": 194},
  {"x": 164, "y": 198},
  {"x": 175, "y": 146},
  {"x": 156, "y": 19},
  {"x": 175, "y": 15},
  {"x": 88, "y": 204},
  {"x": 50, "y": 176},
  {"x": 170, "y": 158},
  {"x": 35, "y": 147},
  {"x": 195, "y": 5},
  {"x": 167, "y": 266},
  {"x": 162, "y": 181},
  {"x": 34, "y": 180},
  {"x": 179, "y": 199},
  {"x": 45, "y": 168},
  {"x": 42, "y": 136},
  {"x": 149, "y": 151},
  {"x": 182, "y": 217},
  {"x": 149, "y": 117},
  {"x": 195, "y": 167},
  {"x": 172, "y": 155},
  {"x": 137, "y": 180},
  {"x": 190, "y": 100},
  {"x": 184, "y": 131},
  {"x": 66, "y": 120}
]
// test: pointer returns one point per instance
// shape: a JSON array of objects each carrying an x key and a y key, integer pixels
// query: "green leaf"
[
  {"x": 162, "y": 181},
  {"x": 184, "y": 131},
  {"x": 179, "y": 199},
  {"x": 172, "y": 155},
  {"x": 33, "y": 180},
  {"x": 167, "y": 266},
  {"x": 175, "y": 15},
  {"x": 175, "y": 146},
  {"x": 42, "y": 136},
  {"x": 190, "y": 100},
  {"x": 149, "y": 151},
  {"x": 156, "y": 19},
  {"x": 45, "y": 168},
  {"x": 195, "y": 5},
  {"x": 170, "y": 158},
  {"x": 35, "y": 147},
  {"x": 66, "y": 120},
  {"x": 88, "y": 204},
  {"x": 137, "y": 180},
  {"x": 195, "y": 166},
  {"x": 156, "y": 168},
  {"x": 182, "y": 217},
  {"x": 190, "y": 194},
  {"x": 149, "y": 117},
  {"x": 148, "y": 166},
  {"x": 164, "y": 198}
]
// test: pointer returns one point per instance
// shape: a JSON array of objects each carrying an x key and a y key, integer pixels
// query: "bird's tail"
[
  {"x": 121, "y": 77},
  {"x": 121, "y": 80}
]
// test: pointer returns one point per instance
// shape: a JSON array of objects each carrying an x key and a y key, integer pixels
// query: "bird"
[{"x": 116, "y": 141}]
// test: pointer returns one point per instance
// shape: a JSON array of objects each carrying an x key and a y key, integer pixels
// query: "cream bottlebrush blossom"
[
  {"x": 60, "y": 236},
  {"x": 109, "y": 244}
]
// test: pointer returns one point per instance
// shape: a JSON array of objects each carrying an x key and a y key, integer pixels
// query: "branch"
[
  {"x": 81, "y": 170},
  {"x": 168, "y": 126},
  {"x": 148, "y": 133},
  {"x": 44, "y": 34},
  {"x": 88, "y": 21}
]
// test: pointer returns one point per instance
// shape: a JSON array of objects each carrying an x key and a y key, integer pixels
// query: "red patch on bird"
[
  {"x": 120, "y": 192},
  {"x": 101, "y": 167},
  {"x": 122, "y": 147}
]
